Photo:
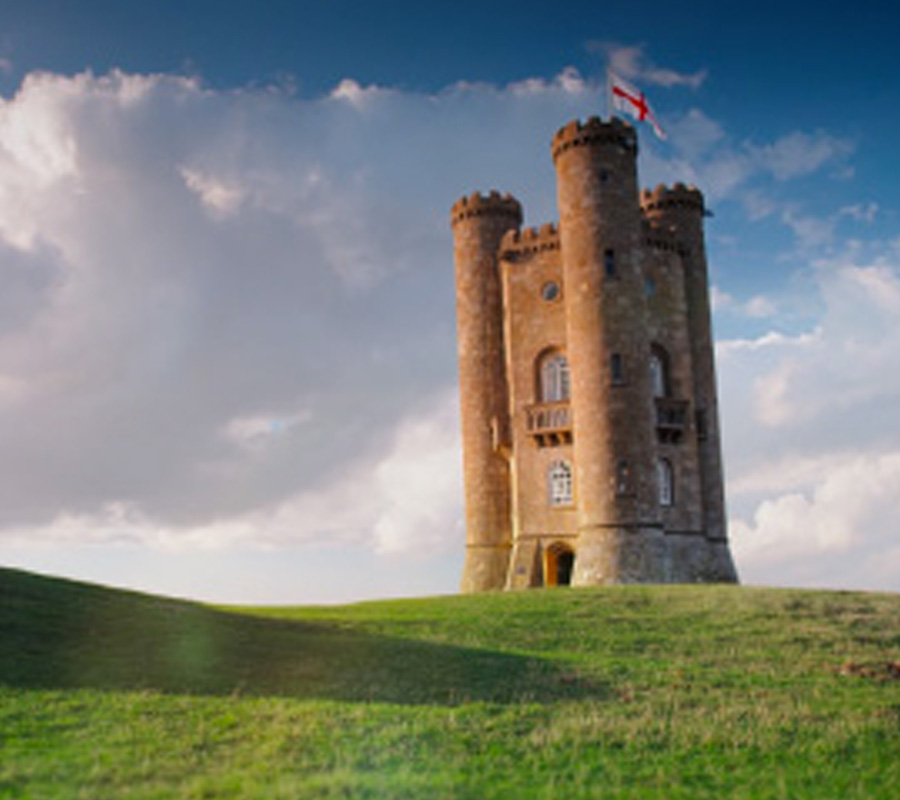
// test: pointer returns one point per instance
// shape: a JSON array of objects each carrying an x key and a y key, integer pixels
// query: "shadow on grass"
[{"x": 57, "y": 634}]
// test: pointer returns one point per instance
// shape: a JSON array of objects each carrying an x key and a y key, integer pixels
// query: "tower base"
[
  {"x": 485, "y": 568},
  {"x": 695, "y": 559},
  {"x": 611, "y": 555},
  {"x": 721, "y": 566}
]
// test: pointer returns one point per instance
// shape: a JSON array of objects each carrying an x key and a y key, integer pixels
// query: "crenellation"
[
  {"x": 594, "y": 131},
  {"x": 679, "y": 196},
  {"x": 529, "y": 241},
  {"x": 480, "y": 205}
]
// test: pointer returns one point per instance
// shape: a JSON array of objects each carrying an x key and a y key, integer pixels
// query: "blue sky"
[{"x": 227, "y": 353}]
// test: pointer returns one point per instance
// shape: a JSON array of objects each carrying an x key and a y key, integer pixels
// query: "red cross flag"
[{"x": 623, "y": 97}]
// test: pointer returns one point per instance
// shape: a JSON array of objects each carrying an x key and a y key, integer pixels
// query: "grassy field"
[{"x": 632, "y": 692}]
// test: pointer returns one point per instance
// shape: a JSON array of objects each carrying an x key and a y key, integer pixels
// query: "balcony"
[
  {"x": 550, "y": 423},
  {"x": 671, "y": 419}
]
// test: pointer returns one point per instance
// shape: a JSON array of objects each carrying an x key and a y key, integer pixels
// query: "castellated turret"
[
  {"x": 590, "y": 428},
  {"x": 479, "y": 224},
  {"x": 679, "y": 212}
]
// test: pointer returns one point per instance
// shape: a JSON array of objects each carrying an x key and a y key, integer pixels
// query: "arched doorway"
[{"x": 559, "y": 564}]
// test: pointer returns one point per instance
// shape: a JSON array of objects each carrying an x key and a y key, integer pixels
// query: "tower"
[
  {"x": 590, "y": 427},
  {"x": 680, "y": 212},
  {"x": 619, "y": 528},
  {"x": 478, "y": 226}
]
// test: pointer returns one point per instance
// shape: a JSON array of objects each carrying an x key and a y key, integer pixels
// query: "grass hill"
[{"x": 628, "y": 692}]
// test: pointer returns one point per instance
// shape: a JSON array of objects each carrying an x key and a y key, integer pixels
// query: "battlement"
[
  {"x": 530, "y": 240},
  {"x": 594, "y": 131},
  {"x": 663, "y": 198},
  {"x": 480, "y": 205}
]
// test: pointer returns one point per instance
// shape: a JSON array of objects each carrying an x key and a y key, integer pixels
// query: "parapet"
[
  {"x": 493, "y": 204},
  {"x": 594, "y": 131},
  {"x": 529, "y": 241},
  {"x": 663, "y": 198}
]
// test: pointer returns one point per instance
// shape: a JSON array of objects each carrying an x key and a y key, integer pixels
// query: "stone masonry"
[{"x": 591, "y": 448}]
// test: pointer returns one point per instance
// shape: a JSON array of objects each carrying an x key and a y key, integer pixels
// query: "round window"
[{"x": 550, "y": 291}]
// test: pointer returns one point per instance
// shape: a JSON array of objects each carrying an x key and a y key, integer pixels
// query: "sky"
[{"x": 227, "y": 324}]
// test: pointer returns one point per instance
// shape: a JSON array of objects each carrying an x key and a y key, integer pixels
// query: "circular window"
[{"x": 550, "y": 291}]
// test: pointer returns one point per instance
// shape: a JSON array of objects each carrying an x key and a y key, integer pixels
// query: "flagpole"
[{"x": 609, "y": 94}]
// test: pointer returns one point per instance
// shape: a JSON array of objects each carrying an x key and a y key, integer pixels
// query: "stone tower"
[
  {"x": 590, "y": 428},
  {"x": 479, "y": 224}
]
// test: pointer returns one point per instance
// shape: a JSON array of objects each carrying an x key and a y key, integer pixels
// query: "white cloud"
[
  {"x": 419, "y": 483},
  {"x": 768, "y": 340},
  {"x": 695, "y": 135},
  {"x": 724, "y": 166},
  {"x": 37, "y": 137},
  {"x": 758, "y": 204},
  {"x": 220, "y": 307},
  {"x": 861, "y": 212},
  {"x": 757, "y": 307},
  {"x": 407, "y": 499},
  {"x": 217, "y": 195},
  {"x": 846, "y": 525},
  {"x": 356, "y": 95},
  {"x": 800, "y": 153},
  {"x": 817, "y": 377},
  {"x": 813, "y": 449},
  {"x": 719, "y": 300},
  {"x": 773, "y": 404},
  {"x": 760, "y": 306},
  {"x": 811, "y": 232},
  {"x": 632, "y": 62},
  {"x": 788, "y": 472},
  {"x": 569, "y": 80}
]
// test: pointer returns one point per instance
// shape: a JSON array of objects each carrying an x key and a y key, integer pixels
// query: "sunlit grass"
[{"x": 633, "y": 692}]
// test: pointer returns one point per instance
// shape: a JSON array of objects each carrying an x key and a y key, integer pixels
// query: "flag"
[{"x": 623, "y": 97}]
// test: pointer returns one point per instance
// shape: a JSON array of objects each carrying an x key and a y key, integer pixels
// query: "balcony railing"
[
  {"x": 671, "y": 418},
  {"x": 550, "y": 423}
]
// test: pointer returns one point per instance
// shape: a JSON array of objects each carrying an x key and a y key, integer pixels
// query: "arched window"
[
  {"x": 554, "y": 377},
  {"x": 659, "y": 372},
  {"x": 666, "y": 481},
  {"x": 559, "y": 483}
]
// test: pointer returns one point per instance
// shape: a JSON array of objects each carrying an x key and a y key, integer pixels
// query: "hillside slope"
[
  {"x": 629, "y": 692},
  {"x": 65, "y": 635}
]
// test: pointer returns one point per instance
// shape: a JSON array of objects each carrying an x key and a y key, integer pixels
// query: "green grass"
[{"x": 633, "y": 692}]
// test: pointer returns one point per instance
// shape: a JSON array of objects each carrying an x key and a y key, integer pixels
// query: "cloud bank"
[
  {"x": 227, "y": 317},
  {"x": 222, "y": 309},
  {"x": 813, "y": 446}
]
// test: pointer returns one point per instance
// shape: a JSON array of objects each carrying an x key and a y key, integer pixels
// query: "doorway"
[{"x": 558, "y": 565}]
